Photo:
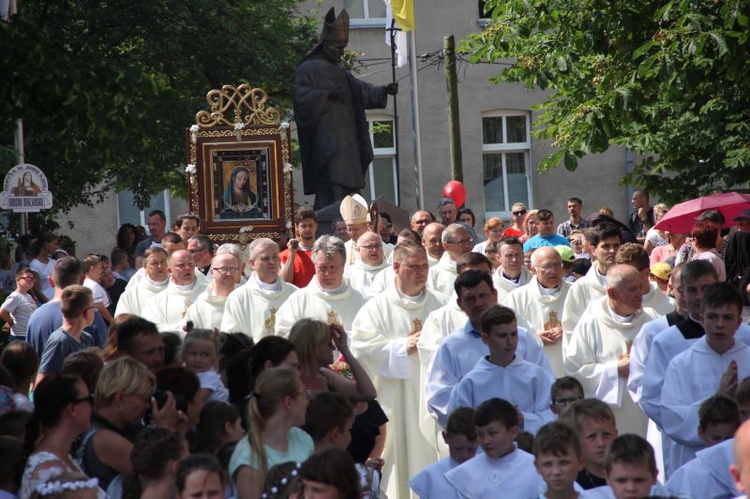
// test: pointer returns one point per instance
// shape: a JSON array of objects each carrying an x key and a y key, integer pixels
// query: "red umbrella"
[{"x": 681, "y": 218}]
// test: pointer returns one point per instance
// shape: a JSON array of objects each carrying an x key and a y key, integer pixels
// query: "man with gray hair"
[
  {"x": 456, "y": 242},
  {"x": 328, "y": 297},
  {"x": 361, "y": 274},
  {"x": 598, "y": 354},
  {"x": 234, "y": 250},
  {"x": 251, "y": 309}
]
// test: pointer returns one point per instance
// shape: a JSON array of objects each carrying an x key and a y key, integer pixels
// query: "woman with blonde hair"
[
  {"x": 122, "y": 397},
  {"x": 315, "y": 342},
  {"x": 493, "y": 232},
  {"x": 276, "y": 409},
  {"x": 530, "y": 224}
]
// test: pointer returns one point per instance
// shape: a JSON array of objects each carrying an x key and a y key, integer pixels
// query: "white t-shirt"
[
  {"x": 20, "y": 306},
  {"x": 100, "y": 295},
  {"x": 44, "y": 270}
]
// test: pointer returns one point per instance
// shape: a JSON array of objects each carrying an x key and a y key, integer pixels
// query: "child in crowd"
[
  {"x": 330, "y": 473},
  {"x": 594, "y": 423},
  {"x": 461, "y": 438},
  {"x": 557, "y": 458},
  {"x": 92, "y": 269},
  {"x": 505, "y": 375},
  {"x": 501, "y": 469},
  {"x": 199, "y": 475},
  {"x": 328, "y": 420},
  {"x": 22, "y": 362},
  {"x": 283, "y": 482},
  {"x": 565, "y": 391},
  {"x": 200, "y": 353},
  {"x": 77, "y": 307},
  {"x": 719, "y": 418},
  {"x": 19, "y": 305},
  {"x": 631, "y": 470},
  {"x": 218, "y": 424},
  {"x": 742, "y": 397},
  {"x": 713, "y": 364}
]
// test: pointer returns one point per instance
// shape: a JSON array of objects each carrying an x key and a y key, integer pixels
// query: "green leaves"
[
  {"x": 106, "y": 89},
  {"x": 669, "y": 80}
]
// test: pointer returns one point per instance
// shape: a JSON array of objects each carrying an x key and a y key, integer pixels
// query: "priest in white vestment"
[
  {"x": 251, "y": 308},
  {"x": 541, "y": 303},
  {"x": 355, "y": 212},
  {"x": 432, "y": 240},
  {"x": 599, "y": 351},
  {"x": 512, "y": 273},
  {"x": 167, "y": 310},
  {"x": 328, "y": 297},
  {"x": 634, "y": 255},
  {"x": 208, "y": 309},
  {"x": 605, "y": 241},
  {"x": 371, "y": 261},
  {"x": 456, "y": 242},
  {"x": 384, "y": 339},
  {"x": 155, "y": 280}
]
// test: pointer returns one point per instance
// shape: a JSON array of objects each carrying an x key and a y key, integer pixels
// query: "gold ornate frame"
[{"x": 240, "y": 134}]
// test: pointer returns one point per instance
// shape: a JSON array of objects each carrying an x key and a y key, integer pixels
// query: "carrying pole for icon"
[{"x": 392, "y": 32}]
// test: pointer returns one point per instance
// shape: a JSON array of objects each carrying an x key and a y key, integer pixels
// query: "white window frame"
[
  {"x": 143, "y": 215},
  {"x": 512, "y": 147},
  {"x": 367, "y": 21},
  {"x": 383, "y": 152}
]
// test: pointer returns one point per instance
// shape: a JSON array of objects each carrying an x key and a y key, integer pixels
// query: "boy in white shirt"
[
  {"x": 461, "y": 438},
  {"x": 503, "y": 374},
  {"x": 713, "y": 365},
  {"x": 502, "y": 470},
  {"x": 92, "y": 269},
  {"x": 19, "y": 305}
]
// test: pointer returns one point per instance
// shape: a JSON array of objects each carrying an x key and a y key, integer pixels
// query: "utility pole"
[{"x": 454, "y": 125}]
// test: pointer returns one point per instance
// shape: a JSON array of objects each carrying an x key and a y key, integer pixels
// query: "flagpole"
[
  {"x": 416, "y": 130},
  {"x": 392, "y": 32}
]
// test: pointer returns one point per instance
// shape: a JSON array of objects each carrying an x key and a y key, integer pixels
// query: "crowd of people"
[{"x": 590, "y": 358}]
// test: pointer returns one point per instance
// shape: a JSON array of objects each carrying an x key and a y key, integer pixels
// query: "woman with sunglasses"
[
  {"x": 515, "y": 229},
  {"x": 62, "y": 411}
]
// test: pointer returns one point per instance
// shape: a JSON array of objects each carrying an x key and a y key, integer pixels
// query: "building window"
[
  {"x": 365, "y": 12},
  {"x": 381, "y": 177},
  {"x": 506, "y": 160},
  {"x": 128, "y": 212}
]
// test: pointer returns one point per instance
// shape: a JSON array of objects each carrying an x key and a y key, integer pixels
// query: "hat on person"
[
  {"x": 566, "y": 253},
  {"x": 354, "y": 210},
  {"x": 744, "y": 214},
  {"x": 661, "y": 270}
]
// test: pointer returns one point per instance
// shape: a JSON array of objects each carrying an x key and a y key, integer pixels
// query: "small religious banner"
[
  {"x": 25, "y": 190},
  {"x": 239, "y": 167}
]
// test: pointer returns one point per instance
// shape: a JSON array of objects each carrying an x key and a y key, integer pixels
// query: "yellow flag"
[{"x": 403, "y": 13}]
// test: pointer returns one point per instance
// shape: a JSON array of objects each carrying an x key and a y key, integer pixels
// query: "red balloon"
[{"x": 456, "y": 191}]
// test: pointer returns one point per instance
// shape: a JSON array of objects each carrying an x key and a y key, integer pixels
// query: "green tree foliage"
[
  {"x": 670, "y": 80},
  {"x": 107, "y": 88}
]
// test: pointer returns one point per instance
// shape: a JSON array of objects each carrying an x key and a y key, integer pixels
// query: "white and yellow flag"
[{"x": 403, "y": 13}]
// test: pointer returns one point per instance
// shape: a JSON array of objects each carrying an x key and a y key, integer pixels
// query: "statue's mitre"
[
  {"x": 354, "y": 210},
  {"x": 335, "y": 29}
]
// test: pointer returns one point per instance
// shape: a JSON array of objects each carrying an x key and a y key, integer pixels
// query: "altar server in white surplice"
[
  {"x": 541, "y": 303},
  {"x": 167, "y": 310},
  {"x": 707, "y": 475},
  {"x": 740, "y": 470},
  {"x": 460, "y": 351},
  {"x": 456, "y": 242},
  {"x": 155, "y": 280},
  {"x": 371, "y": 261},
  {"x": 512, "y": 273},
  {"x": 384, "y": 339},
  {"x": 251, "y": 308},
  {"x": 714, "y": 364},
  {"x": 599, "y": 352},
  {"x": 503, "y": 374},
  {"x": 605, "y": 241},
  {"x": 208, "y": 309},
  {"x": 328, "y": 297}
]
